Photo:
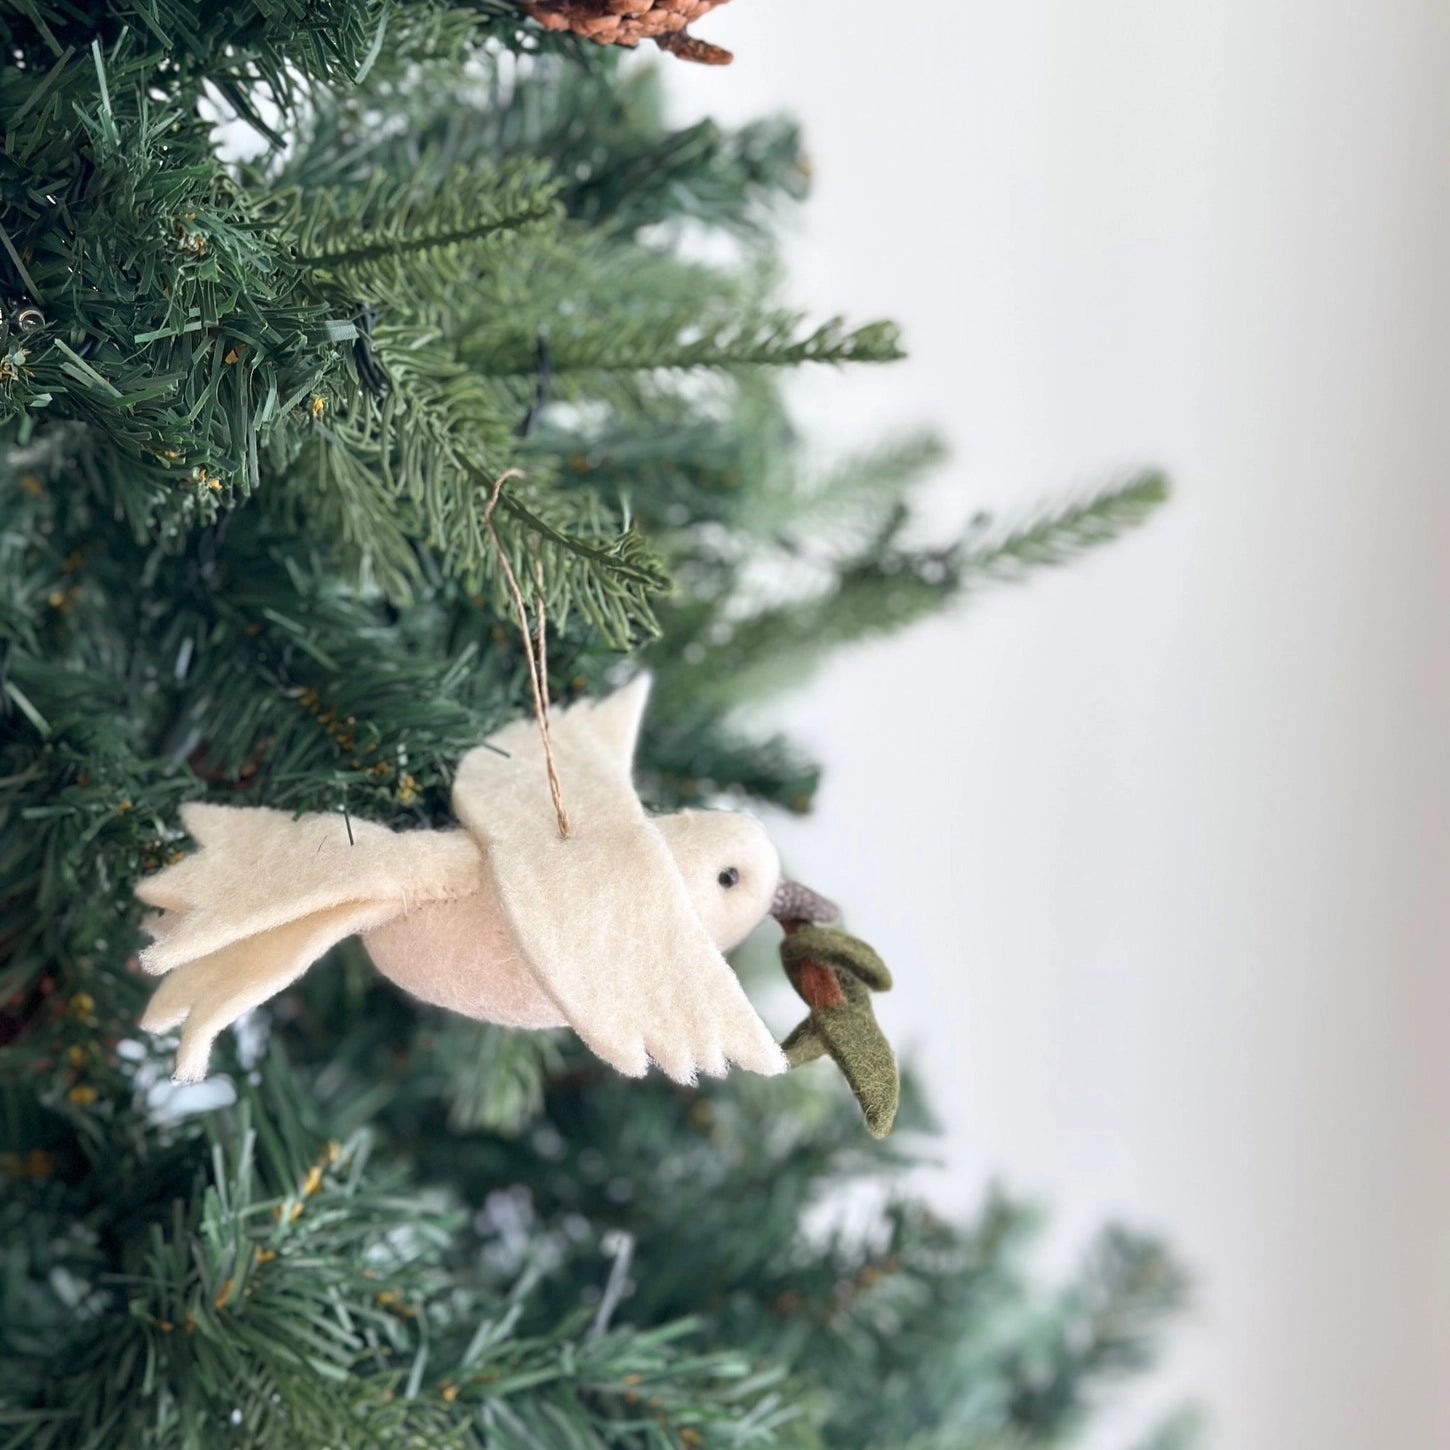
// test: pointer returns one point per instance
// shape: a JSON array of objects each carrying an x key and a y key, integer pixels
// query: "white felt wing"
[
  {"x": 266, "y": 895},
  {"x": 603, "y": 919}
]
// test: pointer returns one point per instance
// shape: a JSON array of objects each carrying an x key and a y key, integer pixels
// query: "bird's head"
[
  {"x": 730, "y": 869},
  {"x": 732, "y": 874}
]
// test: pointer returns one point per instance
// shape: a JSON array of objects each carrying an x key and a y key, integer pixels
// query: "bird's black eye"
[{"x": 728, "y": 877}]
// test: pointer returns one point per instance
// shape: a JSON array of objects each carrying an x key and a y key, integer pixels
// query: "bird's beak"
[{"x": 794, "y": 902}]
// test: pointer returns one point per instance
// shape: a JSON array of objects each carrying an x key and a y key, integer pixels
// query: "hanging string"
[{"x": 535, "y": 653}]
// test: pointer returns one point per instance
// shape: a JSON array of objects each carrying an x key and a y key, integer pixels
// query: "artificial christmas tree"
[{"x": 255, "y": 404}]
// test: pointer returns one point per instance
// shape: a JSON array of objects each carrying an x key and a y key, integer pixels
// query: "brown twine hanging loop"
[{"x": 535, "y": 653}]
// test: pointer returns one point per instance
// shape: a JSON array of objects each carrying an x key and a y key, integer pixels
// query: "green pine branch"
[
  {"x": 396, "y": 242},
  {"x": 421, "y": 468},
  {"x": 1060, "y": 533},
  {"x": 298, "y": 1300},
  {"x": 879, "y": 585},
  {"x": 692, "y": 341}
]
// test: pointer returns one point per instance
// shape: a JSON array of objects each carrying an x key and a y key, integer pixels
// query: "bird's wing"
[
  {"x": 257, "y": 869},
  {"x": 208, "y": 994},
  {"x": 265, "y": 896},
  {"x": 602, "y": 918}
]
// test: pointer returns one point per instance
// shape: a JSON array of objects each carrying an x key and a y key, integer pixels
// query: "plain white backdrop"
[{"x": 1158, "y": 847}]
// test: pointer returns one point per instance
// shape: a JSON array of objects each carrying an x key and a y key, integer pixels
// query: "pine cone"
[{"x": 627, "y": 22}]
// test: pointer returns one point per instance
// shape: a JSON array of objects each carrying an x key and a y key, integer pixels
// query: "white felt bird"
[{"x": 617, "y": 931}]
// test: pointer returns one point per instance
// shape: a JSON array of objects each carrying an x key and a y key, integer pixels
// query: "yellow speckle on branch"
[{"x": 37, "y": 1163}]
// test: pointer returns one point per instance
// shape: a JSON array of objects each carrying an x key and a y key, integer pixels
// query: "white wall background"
[{"x": 1162, "y": 868}]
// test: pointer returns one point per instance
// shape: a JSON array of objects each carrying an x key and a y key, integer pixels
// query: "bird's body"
[
  {"x": 458, "y": 954},
  {"x": 616, "y": 931}
]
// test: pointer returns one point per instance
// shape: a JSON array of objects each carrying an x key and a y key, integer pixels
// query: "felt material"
[
  {"x": 609, "y": 920},
  {"x": 834, "y": 948},
  {"x": 794, "y": 902},
  {"x": 706, "y": 844},
  {"x": 835, "y": 975},
  {"x": 819, "y": 987},
  {"x": 459, "y": 955},
  {"x": 266, "y": 896},
  {"x": 805, "y": 1044},
  {"x": 259, "y": 868},
  {"x": 211, "y": 992},
  {"x": 616, "y": 931}
]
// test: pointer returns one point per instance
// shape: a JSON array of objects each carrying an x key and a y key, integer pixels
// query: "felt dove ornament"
[{"x": 616, "y": 931}]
